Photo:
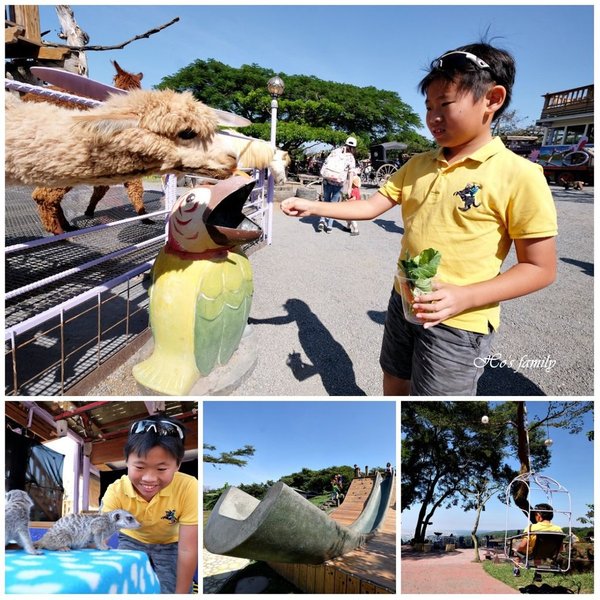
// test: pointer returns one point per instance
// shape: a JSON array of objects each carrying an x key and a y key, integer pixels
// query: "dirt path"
[{"x": 447, "y": 573}]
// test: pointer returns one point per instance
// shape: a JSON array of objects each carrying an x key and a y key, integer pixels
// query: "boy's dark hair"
[
  {"x": 477, "y": 80},
  {"x": 545, "y": 510},
  {"x": 156, "y": 430}
]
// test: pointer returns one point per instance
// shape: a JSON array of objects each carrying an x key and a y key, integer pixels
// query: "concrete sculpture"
[
  {"x": 201, "y": 288},
  {"x": 285, "y": 527}
]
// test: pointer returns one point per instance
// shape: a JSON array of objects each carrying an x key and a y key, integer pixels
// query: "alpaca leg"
[
  {"x": 135, "y": 192},
  {"x": 51, "y": 214},
  {"x": 97, "y": 195}
]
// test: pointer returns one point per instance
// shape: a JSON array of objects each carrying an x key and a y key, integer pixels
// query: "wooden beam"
[
  {"x": 11, "y": 34},
  {"x": 112, "y": 450},
  {"x": 28, "y": 15},
  {"x": 19, "y": 414},
  {"x": 23, "y": 48}
]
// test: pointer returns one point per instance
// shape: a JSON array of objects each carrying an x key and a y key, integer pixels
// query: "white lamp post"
[{"x": 275, "y": 86}]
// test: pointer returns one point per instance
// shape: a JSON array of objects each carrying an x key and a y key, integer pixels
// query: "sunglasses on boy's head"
[
  {"x": 459, "y": 60},
  {"x": 159, "y": 427}
]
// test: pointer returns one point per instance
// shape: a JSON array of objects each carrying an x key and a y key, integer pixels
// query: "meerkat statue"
[
  {"x": 77, "y": 531},
  {"x": 18, "y": 506}
]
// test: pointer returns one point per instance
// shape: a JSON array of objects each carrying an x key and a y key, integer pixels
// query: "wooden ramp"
[{"x": 370, "y": 569}]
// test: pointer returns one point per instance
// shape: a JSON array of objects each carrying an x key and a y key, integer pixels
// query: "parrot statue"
[{"x": 201, "y": 288}]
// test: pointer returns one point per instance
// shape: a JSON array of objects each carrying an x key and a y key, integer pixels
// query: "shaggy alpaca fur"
[
  {"x": 49, "y": 199},
  {"x": 136, "y": 134}
]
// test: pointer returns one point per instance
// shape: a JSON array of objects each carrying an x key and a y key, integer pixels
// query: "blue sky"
[
  {"x": 571, "y": 465},
  {"x": 386, "y": 46},
  {"x": 291, "y": 435}
]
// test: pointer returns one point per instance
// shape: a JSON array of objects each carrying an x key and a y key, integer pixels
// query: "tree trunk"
[
  {"x": 520, "y": 490},
  {"x": 75, "y": 36},
  {"x": 474, "y": 532}
]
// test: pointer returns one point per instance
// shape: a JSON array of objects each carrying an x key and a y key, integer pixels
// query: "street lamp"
[{"x": 275, "y": 86}]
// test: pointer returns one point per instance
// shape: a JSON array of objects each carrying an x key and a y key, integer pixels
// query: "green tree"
[
  {"x": 446, "y": 450},
  {"x": 310, "y": 109},
  {"x": 234, "y": 457},
  {"x": 589, "y": 516}
]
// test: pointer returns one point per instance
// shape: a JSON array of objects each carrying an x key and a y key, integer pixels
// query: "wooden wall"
[{"x": 326, "y": 579}]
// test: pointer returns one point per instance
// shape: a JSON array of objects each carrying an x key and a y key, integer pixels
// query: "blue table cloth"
[{"x": 80, "y": 572}]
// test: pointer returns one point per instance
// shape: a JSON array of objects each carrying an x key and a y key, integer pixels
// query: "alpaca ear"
[{"x": 108, "y": 122}]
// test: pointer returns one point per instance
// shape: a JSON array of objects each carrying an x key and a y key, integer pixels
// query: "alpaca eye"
[{"x": 187, "y": 134}]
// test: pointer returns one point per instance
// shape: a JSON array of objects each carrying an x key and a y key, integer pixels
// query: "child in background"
[
  {"x": 470, "y": 199},
  {"x": 163, "y": 500},
  {"x": 354, "y": 194}
]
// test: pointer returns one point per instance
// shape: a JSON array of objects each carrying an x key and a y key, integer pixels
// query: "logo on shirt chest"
[
  {"x": 170, "y": 516},
  {"x": 467, "y": 195}
]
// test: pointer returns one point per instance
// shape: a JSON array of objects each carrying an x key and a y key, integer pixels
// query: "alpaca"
[
  {"x": 49, "y": 199},
  {"x": 136, "y": 134}
]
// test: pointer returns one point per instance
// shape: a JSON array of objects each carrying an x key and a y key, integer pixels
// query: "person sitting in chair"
[{"x": 543, "y": 514}]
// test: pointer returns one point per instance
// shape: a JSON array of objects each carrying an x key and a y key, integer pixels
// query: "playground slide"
[{"x": 285, "y": 527}]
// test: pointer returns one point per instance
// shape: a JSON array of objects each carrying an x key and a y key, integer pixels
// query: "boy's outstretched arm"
[
  {"x": 535, "y": 270},
  {"x": 361, "y": 210}
]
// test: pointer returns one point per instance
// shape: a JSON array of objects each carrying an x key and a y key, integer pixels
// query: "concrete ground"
[
  {"x": 217, "y": 570},
  {"x": 447, "y": 573}
]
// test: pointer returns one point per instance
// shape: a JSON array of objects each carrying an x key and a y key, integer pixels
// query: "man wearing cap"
[{"x": 338, "y": 170}]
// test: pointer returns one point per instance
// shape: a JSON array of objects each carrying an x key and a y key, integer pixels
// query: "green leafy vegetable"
[{"x": 421, "y": 269}]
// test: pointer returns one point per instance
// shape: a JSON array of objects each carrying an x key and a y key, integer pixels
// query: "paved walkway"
[
  {"x": 447, "y": 573},
  {"x": 217, "y": 570}
]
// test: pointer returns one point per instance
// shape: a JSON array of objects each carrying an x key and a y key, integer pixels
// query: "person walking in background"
[
  {"x": 354, "y": 194},
  {"x": 337, "y": 171}
]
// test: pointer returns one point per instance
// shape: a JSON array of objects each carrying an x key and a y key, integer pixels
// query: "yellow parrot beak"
[{"x": 225, "y": 222}]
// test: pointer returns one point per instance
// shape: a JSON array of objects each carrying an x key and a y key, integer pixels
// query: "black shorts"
[{"x": 439, "y": 361}]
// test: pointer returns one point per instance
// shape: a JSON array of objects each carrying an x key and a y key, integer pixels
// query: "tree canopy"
[
  {"x": 310, "y": 109},
  {"x": 233, "y": 457}
]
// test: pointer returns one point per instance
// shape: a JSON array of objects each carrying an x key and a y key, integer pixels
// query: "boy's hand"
[
  {"x": 444, "y": 302},
  {"x": 296, "y": 207}
]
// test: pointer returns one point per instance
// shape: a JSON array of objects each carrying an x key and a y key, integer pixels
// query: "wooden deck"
[{"x": 370, "y": 569}]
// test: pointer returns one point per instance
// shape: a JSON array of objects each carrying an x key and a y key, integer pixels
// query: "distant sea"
[{"x": 457, "y": 533}]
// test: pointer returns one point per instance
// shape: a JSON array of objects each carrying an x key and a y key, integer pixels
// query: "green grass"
[
  {"x": 582, "y": 583},
  {"x": 206, "y": 514},
  {"x": 318, "y": 500}
]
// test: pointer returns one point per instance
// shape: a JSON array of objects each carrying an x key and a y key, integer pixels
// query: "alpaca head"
[
  {"x": 159, "y": 132},
  {"x": 125, "y": 80},
  {"x": 139, "y": 133}
]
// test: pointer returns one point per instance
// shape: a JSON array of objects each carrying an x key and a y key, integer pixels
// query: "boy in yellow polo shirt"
[
  {"x": 470, "y": 199},
  {"x": 163, "y": 500},
  {"x": 543, "y": 514}
]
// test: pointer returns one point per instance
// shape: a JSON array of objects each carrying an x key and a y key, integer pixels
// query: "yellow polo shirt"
[
  {"x": 175, "y": 505},
  {"x": 471, "y": 211},
  {"x": 543, "y": 526}
]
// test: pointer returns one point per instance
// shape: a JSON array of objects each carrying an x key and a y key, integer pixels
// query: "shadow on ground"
[
  {"x": 504, "y": 381},
  {"x": 337, "y": 374},
  {"x": 260, "y": 574}
]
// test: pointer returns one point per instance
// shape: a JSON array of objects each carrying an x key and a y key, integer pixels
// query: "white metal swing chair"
[{"x": 547, "y": 547}]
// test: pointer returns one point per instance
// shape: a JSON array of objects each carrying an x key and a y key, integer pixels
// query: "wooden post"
[
  {"x": 29, "y": 17},
  {"x": 75, "y": 36}
]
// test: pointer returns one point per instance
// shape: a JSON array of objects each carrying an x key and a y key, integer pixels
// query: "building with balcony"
[{"x": 568, "y": 116}]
